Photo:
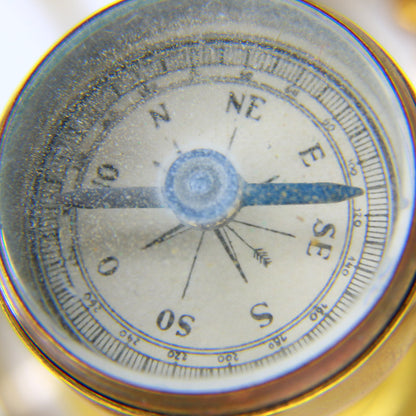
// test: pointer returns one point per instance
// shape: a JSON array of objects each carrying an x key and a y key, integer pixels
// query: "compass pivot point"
[{"x": 202, "y": 188}]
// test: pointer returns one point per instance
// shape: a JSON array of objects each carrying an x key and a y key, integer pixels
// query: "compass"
[{"x": 207, "y": 208}]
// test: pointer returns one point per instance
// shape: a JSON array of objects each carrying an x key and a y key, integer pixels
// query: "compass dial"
[
  {"x": 224, "y": 274},
  {"x": 204, "y": 213}
]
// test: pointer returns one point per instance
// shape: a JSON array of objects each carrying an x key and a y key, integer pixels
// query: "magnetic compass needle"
[{"x": 206, "y": 208}]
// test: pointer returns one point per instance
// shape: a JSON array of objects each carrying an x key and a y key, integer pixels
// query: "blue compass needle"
[
  {"x": 203, "y": 187},
  {"x": 296, "y": 193},
  {"x": 252, "y": 194},
  {"x": 134, "y": 197}
]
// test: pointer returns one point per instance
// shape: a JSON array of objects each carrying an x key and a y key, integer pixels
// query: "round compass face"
[
  {"x": 204, "y": 212},
  {"x": 231, "y": 185}
]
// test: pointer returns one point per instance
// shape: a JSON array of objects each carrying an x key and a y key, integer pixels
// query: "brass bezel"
[{"x": 377, "y": 343}]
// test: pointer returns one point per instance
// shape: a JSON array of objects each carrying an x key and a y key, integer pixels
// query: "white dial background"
[
  {"x": 218, "y": 297},
  {"x": 272, "y": 142}
]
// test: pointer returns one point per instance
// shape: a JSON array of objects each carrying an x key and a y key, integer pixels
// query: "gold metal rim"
[{"x": 286, "y": 393}]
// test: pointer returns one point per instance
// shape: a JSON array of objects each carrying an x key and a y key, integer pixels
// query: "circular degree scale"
[{"x": 206, "y": 208}]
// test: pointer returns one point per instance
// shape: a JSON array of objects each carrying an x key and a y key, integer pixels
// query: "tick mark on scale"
[{"x": 232, "y": 138}]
